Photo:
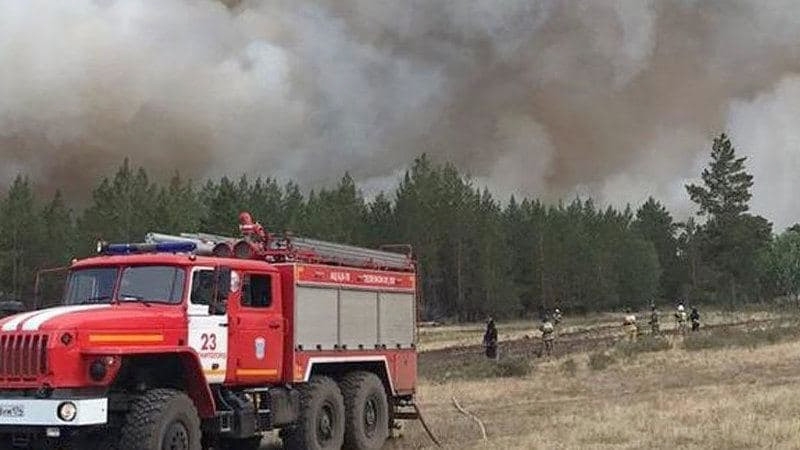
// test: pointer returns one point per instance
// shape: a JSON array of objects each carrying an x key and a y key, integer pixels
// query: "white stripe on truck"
[
  {"x": 37, "y": 320},
  {"x": 14, "y": 321}
]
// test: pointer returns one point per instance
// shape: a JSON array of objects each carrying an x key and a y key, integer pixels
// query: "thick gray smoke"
[{"x": 615, "y": 99}]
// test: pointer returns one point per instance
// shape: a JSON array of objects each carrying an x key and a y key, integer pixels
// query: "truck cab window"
[
  {"x": 202, "y": 287},
  {"x": 95, "y": 285},
  {"x": 257, "y": 291},
  {"x": 162, "y": 284}
]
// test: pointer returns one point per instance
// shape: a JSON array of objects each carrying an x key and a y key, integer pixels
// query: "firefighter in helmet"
[
  {"x": 548, "y": 336},
  {"x": 557, "y": 316},
  {"x": 629, "y": 325},
  {"x": 680, "y": 317}
]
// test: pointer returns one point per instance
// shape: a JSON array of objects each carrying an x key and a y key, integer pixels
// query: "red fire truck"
[{"x": 197, "y": 342}]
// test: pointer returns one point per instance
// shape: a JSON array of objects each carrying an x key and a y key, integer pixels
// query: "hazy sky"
[{"x": 614, "y": 99}]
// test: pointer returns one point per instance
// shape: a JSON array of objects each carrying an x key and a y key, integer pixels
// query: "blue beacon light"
[
  {"x": 165, "y": 247},
  {"x": 176, "y": 247}
]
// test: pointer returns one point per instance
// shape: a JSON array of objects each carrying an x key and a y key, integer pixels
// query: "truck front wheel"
[
  {"x": 321, "y": 422},
  {"x": 161, "y": 419},
  {"x": 366, "y": 411}
]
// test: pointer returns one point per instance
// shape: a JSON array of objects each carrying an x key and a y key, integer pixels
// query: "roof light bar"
[{"x": 163, "y": 247}]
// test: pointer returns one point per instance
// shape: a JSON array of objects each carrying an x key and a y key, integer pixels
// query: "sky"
[{"x": 616, "y": 100}]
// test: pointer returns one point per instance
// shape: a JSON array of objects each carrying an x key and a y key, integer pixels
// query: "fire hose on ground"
[
  {"x": 425, "y": 426},
  {"x": 471, "y": 416}
]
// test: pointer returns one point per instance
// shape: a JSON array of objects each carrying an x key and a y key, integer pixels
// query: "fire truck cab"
[{"x": 157, "y": 346}]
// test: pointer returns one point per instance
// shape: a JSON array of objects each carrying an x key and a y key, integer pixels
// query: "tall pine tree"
[{"x": 731, "y": 238}]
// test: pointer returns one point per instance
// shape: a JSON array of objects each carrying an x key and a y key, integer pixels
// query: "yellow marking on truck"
[
  {"x": 126, "y": 338},
  {"x": 256, "y": 372},
  {"x": 214, "y": 371}
]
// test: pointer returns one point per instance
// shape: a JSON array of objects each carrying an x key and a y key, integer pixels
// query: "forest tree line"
[{"x": 477, "y": 255}]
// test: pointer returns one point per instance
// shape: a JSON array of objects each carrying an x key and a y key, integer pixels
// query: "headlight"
[
  {"x": 67, "y": 411},
  {"x": 98, "y": 370}
]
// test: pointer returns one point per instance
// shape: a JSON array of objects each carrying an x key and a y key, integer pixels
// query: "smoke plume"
[{"x": 618, "y": 99}]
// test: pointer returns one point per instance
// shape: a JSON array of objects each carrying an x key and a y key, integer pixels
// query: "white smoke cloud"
[{"x": 768, "y": 133}]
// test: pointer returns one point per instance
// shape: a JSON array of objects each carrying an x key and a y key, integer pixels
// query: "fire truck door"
[
  {"x": 257, "y": 328},
  {"x": 208, "y": 333}
]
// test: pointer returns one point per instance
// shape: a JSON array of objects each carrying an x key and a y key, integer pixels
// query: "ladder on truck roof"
[
  {"x": 313, "y": 250},
  {"x": 259, "y": 244}
]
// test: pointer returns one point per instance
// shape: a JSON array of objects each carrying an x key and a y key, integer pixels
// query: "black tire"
[
  {"x": 321, "y": 422},
  {"x": 366, "y": 411},
  {"x": 161, "y": 419}
]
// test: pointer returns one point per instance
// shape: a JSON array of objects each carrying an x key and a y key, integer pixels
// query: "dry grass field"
[
  {"x": 746, "y": 396},
  {"x": 734, "y": 385}
]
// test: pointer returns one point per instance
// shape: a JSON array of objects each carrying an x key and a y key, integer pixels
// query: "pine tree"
[
  {"x": 725, "y": 192},
  {"x": 21, "y": 245},
  {"x": 178, "y": 208},
  {"x": 731, "y": 238},
  {"x": 782, "y": 264},
  {"x": 654, "y": 223},
  {"x": 223, "y": 203},
  {"x": 123, "y": 209},
  {"x": 381, "y": 225}
]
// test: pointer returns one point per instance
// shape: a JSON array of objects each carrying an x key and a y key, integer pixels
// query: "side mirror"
[{"x": 222, "y": 288}]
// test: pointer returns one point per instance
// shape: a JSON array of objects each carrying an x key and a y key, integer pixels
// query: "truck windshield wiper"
[{"x": 138, "y": 298}]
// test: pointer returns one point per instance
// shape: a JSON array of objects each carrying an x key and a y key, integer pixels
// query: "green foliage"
[
  {"x": 654, "y": 223},
  {"x": 728, "y": 244},
  {"x": 477, "y": 256},
  {"x": 725, "y": 191},
  {"x": 601, "y": 360},
  {"x": 20, "y": 246},
  {"x": 781, "y": 264}
]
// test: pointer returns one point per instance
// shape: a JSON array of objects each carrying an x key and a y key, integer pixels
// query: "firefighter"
[
  {"x": 490, "y": 339},
  {"x": 695, "y": 318},
  {"x": 629, "y": 325},
  {"x": 548, "y": 336},
  {"x": 654, "y": 325},
  {"x": 557, "y": 316},
  {"x": 680, "y": 318}
]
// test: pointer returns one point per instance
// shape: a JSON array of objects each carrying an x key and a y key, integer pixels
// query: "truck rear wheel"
[
  {"x": 321, "y": 422},
  {"x": 161, "y": 419},
  {"x": 366, "y": 411}
]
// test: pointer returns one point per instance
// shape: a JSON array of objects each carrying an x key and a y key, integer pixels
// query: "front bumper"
[{"x": 44, "y": 412}]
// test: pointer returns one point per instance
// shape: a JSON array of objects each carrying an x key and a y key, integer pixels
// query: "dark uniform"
[
  {"x": 695, "y": 318},
  {"x": 654, "y": 325},
  {"x": 490, "y": 340}
]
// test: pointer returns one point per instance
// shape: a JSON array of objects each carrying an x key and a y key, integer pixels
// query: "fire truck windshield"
[{"x": 146, "y": 284}]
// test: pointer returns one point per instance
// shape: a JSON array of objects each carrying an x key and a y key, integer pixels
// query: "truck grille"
[{"x": 23, "y": 357}]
